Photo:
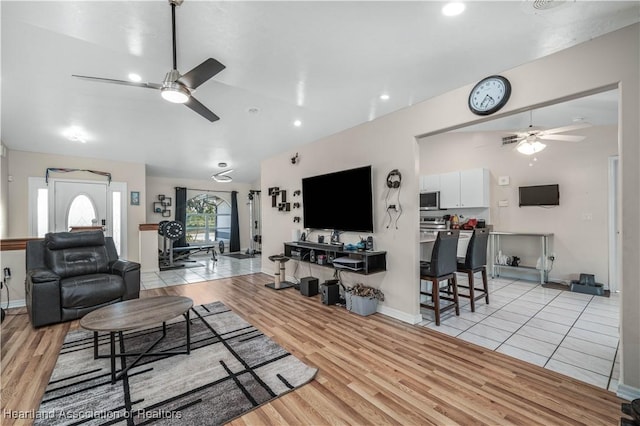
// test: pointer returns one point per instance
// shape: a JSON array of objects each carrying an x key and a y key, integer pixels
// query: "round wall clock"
[{"x": 489, "y": 95}]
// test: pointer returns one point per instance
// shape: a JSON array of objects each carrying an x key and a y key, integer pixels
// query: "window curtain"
[
  {"x": 181, "y": 214},
  {"x": 234, "y": 240}
]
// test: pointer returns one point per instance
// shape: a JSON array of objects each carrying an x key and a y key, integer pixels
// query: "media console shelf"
[
  {"x": 361, "y": 262},
  {"x": 543, "y": 247}
]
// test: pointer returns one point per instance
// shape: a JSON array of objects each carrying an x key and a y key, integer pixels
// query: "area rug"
[
  {"x": 239, "y": 255},
  {"x": 232, "y": 369}
]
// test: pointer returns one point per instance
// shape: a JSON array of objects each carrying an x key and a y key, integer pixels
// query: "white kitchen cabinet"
[
  {"x": 450, "y": 190},
  {"x": 429, "y": 183},
  {"x": 464, "y": 189}
]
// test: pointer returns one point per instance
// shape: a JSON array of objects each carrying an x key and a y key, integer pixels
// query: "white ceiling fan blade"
[
  {"x": 566, "y": 128},
  {"x": 567, "y": 138}
]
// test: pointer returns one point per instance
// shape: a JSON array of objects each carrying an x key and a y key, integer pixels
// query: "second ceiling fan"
[
  {"x": 530, "y": 142},
  {"x": 177, "y": 87}
]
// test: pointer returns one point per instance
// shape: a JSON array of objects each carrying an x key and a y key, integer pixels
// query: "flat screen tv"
[
  {"x": 540, "y": 195},
  {"x": 341, "y": 201}
]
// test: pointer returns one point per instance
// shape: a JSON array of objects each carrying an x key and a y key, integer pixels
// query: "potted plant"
[{"x": 362, "y": 299}]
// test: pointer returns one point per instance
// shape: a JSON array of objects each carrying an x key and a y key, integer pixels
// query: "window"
[
  {"x": 117, "y": 219},
  {"x": 42, "y": 208},
  {"x": 81, "y": 212},
  {"x": 208, "y": 219}
]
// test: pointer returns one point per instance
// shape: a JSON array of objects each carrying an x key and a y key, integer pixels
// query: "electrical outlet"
[
  {"x": 503, "y": 203},
  {"x": 587, "y": 216}
]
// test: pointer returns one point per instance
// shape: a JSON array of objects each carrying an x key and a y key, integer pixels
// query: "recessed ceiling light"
[
  {"x": 134, "y": 77},
  {"x": 453, "y": 9},
  {"x": 75, "y": 134},
  {"x": 253, "y": 110},
  {"x": 222, "y": 164},
  {"x": 384, "y": 97},
  {"x": 297, "y": 123}
]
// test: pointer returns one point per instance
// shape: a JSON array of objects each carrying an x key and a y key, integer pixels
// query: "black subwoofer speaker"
[
  {"x": 308, "y": 286},
  {"x": 330, "y": 293}
]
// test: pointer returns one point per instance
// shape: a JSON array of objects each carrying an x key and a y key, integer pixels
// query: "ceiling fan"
[
  {"x": 529, "y": 142},
  {"x": 177, "y": 88}
]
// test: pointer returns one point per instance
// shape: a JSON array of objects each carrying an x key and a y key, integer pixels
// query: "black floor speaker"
[
  {"x": 308, "y": 286},
  {"x": 330, "y": 293}
]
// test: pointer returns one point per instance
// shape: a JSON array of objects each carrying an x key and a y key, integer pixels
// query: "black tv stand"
[
  {"x": 320, "y": 246},
  {"x": 364, "y": 262}
]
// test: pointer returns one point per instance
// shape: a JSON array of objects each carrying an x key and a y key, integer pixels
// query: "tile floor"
[
  {"x": 206, "y": 269},
  {"x": 572, "y": 333}
]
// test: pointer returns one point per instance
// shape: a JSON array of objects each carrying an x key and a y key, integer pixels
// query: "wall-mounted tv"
[
  {"x": 341, "y": 201},
  {"x": 540, "y": 195}
]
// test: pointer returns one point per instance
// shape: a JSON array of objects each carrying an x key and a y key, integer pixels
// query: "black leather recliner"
[{"x": 70, "y": 274}]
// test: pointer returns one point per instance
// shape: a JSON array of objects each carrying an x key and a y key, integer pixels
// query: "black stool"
[{"x": 279, "y": 276}]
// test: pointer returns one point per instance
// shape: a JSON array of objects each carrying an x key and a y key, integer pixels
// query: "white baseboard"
[
  {"x": 16, "y": 303},
  {"x": 399, "y": 315},
  {"x": 627, "y": 392}
]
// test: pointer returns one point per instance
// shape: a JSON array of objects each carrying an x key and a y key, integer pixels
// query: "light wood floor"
[{"x": 372, "y": 370}]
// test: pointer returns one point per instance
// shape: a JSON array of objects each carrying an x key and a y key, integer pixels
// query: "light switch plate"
[{"x": 503, "y": 180}]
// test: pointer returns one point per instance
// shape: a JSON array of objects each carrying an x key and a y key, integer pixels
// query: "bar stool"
[
  {"x": 279, "y": 277},
  {"x": 442, "y": 267},
  {"x": 475, "y": 261}
]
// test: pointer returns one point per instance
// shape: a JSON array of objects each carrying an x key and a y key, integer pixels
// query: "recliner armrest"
[
  {"x": 42, "y": 296},
  {"x": 130, "y": 273},
  {"x": 121, "y": 267},
  {"x": 42, "y": 275}
]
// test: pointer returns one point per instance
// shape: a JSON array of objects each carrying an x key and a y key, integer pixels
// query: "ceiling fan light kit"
[
  {"x": 528, "y": 147},
  {"x": 175, "y": 93}
]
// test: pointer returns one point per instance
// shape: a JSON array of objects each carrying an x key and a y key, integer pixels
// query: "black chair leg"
[
  {"x": 435, "y": 295},
  {"x": 455, "y": 294},
  {"x": 471, "y": 289},
  {"x": 485, "y": 284}
]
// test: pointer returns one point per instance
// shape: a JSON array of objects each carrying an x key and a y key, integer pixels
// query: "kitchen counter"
[{"x": 427, "y": 238}]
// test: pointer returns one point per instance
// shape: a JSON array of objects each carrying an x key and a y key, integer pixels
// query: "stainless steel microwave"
[{"x": 430, "y": 200}]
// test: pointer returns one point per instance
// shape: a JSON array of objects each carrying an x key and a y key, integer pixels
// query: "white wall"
[
  {"x": 23, "y": 165},
  {"x": 389, "y": 142},
  {"x": 581, "y": 170},
  {"x": 167, "y": 186},
  {"x": 4, "y": 191}
]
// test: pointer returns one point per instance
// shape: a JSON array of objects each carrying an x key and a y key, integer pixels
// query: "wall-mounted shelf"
[
  {"x": 161, "y": 205},
  {"x": 364, "y": 262}
]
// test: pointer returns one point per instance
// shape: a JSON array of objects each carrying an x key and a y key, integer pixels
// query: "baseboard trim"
[
  {"x": 16, "y": 303},
  {"x": 399, "y": 315},
  {"x": 627, "y": 392}
]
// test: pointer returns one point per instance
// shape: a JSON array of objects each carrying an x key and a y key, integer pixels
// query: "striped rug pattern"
[{"x": 232, "y": 369}]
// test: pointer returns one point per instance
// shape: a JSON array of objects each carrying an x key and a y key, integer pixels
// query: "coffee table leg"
[
  {"x": 95, "y": 345},
  {"x": 188, "y": 332},
  {"x": 112, "y": 343}
]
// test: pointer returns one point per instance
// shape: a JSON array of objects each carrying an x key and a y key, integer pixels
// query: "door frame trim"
[{"x": 35, "y": 183}]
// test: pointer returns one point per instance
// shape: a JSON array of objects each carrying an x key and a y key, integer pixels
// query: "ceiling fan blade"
[
  {"x": 567, "y": 138},
  {"x": 122, "y": 82},
  {"x": 566, "y": 128},
  {"x": 201, "y": 73},
  {"x": 201, "y": 109}
]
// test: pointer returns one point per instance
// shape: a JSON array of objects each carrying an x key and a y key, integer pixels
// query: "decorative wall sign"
[{"x": 135, "y": 198}]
